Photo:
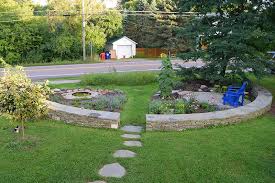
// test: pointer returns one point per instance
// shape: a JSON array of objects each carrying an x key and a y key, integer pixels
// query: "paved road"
[{"x": 56, "y": 71}]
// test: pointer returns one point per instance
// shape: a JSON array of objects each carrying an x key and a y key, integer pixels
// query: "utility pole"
[
  {"x": 91, "y": 45},
  {"x": 83, "y": 30}
]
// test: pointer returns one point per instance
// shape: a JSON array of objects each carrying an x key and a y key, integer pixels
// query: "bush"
[
  {"x": 166, "y": 78},
  {"x": 167, "y": 107},
  {"x": 20, "y": 99},
  {"x": 122, "y": 79},
  {"x": 112, "y": 103},
  {"x": 180, "y": 107}
]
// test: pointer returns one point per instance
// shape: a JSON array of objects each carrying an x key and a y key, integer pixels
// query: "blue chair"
[{"x": 234, "y": 96}]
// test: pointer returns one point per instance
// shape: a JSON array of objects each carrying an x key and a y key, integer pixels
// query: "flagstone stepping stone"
[
  {"x": 112, "y": 170},
  {"x": 130, "y": 128},
  {"x": 124, "y": 154},
  {"x": 133, "y": 143},
  {"x": 98, "y": 181},
  {"x": 130, "y": 136}
]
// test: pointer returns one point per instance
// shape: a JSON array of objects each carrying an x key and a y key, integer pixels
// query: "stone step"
[
  {"x": 131, "y": 136},
  {"x": 132, "y": 129},
  {"x": 124, "y": 154},
  {"x": 133, "y": 143},
  {"x": 112, "y": 170}
]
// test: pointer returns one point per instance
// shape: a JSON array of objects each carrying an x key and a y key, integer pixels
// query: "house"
[{"x": 124, "y": 48}]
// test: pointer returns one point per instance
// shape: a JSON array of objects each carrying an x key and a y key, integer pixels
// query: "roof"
[{"x": 125, "y": 38}]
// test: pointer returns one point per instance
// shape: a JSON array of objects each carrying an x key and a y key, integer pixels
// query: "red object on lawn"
[{"x": 102, "y": 56}]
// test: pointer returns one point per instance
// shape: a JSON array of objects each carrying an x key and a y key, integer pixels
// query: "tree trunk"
[{"x": 23, "y": 129}]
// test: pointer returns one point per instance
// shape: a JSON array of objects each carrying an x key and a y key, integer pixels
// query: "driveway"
[{"x": 57, "y": 71}]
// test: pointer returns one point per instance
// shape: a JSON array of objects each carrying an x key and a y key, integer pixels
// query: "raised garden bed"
[
  {"x": 178, "y": 122},
  {"x": 87, "y": 107},
  {"x": 106, "y": 100}
]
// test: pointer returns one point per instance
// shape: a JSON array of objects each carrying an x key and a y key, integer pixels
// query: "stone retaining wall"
[
  {"x": 179, "y": 122},
  {"x": 83, "y": 117}
]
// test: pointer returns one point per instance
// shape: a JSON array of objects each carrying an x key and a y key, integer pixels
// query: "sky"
[{"x": 108, "y": 3}]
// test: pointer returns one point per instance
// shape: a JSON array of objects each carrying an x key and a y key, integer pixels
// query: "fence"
[{"x": 152, "y": 52}]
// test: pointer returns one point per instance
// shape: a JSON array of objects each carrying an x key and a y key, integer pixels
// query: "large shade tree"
[
  {"x": 156, "y": 29},
  {"x": 231, "y": 36}
]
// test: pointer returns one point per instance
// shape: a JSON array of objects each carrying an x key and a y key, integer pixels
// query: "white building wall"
[{"x": 124, "y": 42}]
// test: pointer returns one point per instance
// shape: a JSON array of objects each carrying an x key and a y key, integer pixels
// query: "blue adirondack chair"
[{"x": 234, "y": 96}]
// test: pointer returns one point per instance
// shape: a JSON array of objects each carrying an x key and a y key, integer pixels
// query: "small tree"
[
  {"x": 166, "y": 78},
  {"x": 20, "y": 99}
]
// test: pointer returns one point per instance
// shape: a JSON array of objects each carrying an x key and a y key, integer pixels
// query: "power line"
[{"x": 104, "y": 11}]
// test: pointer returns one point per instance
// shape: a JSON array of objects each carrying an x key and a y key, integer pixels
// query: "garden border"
[
  {"x": 179, "y": 122},
  {"x": 83, "y": 117}
]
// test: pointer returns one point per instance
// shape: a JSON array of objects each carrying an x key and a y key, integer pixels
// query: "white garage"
[{"x": 124, "y": 48}]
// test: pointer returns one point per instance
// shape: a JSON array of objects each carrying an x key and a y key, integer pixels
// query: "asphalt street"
[{"x": 57, "y": 71}]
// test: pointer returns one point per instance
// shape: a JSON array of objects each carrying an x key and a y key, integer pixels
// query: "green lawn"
[
  {"x": 138, "y": 98},
  {"x": 58, "y": 152}
]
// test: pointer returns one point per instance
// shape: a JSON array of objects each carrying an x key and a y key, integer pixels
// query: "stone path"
[
  {"x": 115, "y": 169},
  {"x": 131, "y": 136},
  {"x": 133, "y": 143},
  {"x": 112, "y": 170},
  {"x": 124, "y": 154}
]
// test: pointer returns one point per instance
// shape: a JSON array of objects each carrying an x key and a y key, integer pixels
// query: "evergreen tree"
[{"x": 230, "y": 36}]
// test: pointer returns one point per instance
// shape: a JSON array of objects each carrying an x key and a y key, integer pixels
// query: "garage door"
[{"x": 124, "y": 51}]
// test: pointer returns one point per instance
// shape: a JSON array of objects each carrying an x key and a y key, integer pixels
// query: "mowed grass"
[
  {"x": 54, "y": 152},
  {"x": 138, "y": 98},
  {"x": 59, "y": 152},
  {"x": 236, "y": 153}
]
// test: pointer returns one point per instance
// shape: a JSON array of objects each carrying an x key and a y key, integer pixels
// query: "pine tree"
[{"x": 236, "y": 35}]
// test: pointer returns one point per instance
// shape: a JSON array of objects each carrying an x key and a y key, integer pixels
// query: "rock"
[
  {"x": 199, "y": 90},
  {"x": 203, "y": 86},
  {"x": 133, "y": 143},
  {"x": 112, "y": 170},
  {"x": 56, "y": 90},
  {"x": 130, "y": 128},
  {"x": 124, "y": 154},
  {"x": 130, "y": 136}
]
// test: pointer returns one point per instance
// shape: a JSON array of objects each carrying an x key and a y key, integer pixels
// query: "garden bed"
[
  {"x": 178, "y": 122},
  {"x": 105, "y": 100},
  {"x": 187, "y": 102}
]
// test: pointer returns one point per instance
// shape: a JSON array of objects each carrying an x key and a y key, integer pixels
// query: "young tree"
[
  {"x": 231, "y": 36},
  {"x": 20, "y": 98},
  {"x": 166, "y": 78}
]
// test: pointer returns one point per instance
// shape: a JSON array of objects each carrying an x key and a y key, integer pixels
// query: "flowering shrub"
[
  {"x": 179, "y": 106},
  {"x": 20, "y": 99}
]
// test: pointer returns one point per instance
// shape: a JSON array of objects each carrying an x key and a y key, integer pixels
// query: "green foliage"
[
  {"x": 21, "y": 99},
  {"x": 42, "y": 37},
  {"x": 230, "y": 36},
  {"x": 166, "y": 78},
  {"x": 111, "y": 103},
  {"x": 167, "y": 106},
  {"x": 179, "y": 106},
  {"x": 157, "y": 30},
  {"x": 122, "y": 79}
]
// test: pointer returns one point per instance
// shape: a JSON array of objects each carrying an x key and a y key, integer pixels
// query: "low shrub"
[
  {"x": 121, "y": 79},
  {"x": 167, "y": 107},
  {"x": 180, "y": 106},
  {"x": 106, "y": 103},
  {"x": 111, "y": 103}
]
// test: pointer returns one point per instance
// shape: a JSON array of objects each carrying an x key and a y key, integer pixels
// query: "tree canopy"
[
  {"x": 30, "y": 33},
  {"x": 231, "y": 36}
]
